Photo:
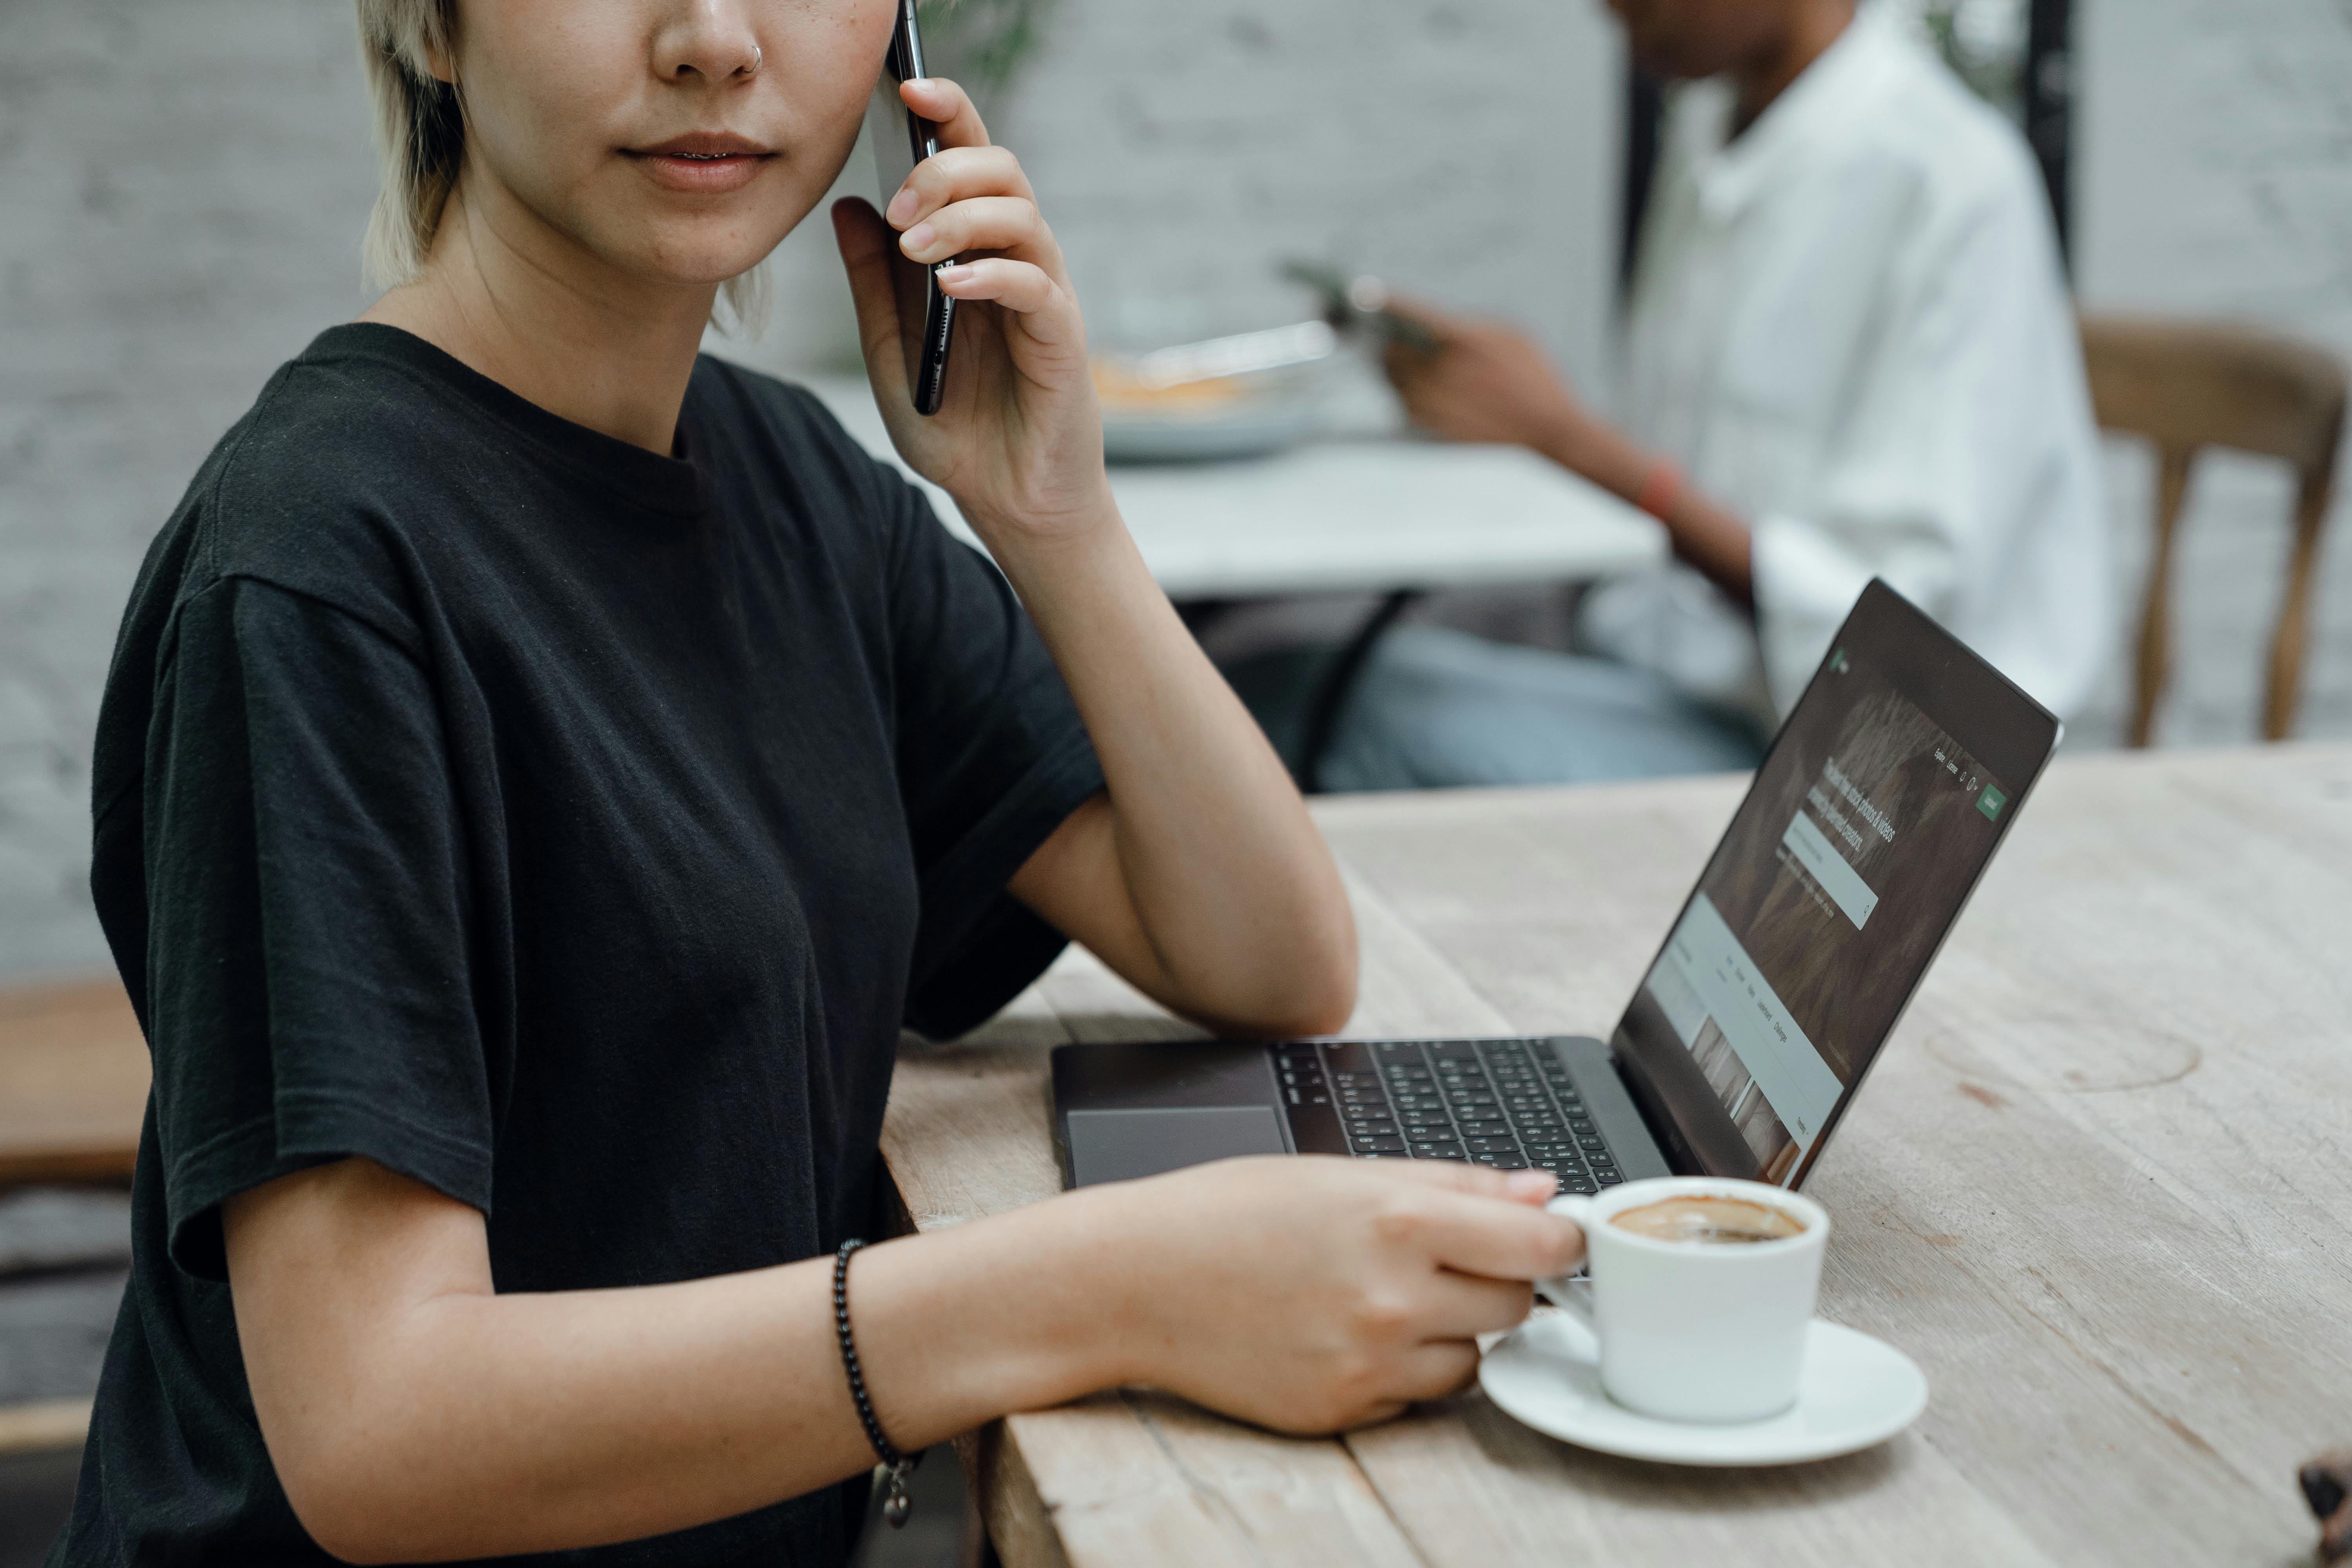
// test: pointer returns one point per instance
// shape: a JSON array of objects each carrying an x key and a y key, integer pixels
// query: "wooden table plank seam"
[{"x": 1223, "y": 1505}]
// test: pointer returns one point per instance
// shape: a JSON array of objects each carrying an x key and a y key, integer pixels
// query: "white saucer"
[{"x": 1857, "y": 1391}]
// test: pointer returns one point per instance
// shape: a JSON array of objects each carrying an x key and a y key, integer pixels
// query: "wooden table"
[
  {"x": 1356, "y": 515},
  {"x": 2099, "y": 1187}
]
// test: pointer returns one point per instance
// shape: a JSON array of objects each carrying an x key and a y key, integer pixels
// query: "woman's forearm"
[
  {"x": 1236, "y": 902},
  {"x": 413, "y": 1415}
]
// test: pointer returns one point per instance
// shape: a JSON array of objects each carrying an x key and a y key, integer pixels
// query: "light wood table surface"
[{"x": 2099, "y": 1187}]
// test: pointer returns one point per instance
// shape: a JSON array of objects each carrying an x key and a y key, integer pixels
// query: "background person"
[
  {"x": 1849, "y": 351},
  {"x": 541, "y": 772}
]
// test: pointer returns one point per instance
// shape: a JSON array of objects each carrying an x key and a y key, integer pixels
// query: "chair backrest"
[
  {"x": 73, "y": 1082},
  {"x": 2186, "y": 385}
]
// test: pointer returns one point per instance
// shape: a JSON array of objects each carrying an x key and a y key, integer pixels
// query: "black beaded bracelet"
[{"x": 896, "y": 1504}]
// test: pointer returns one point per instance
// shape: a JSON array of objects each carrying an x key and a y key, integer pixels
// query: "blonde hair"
[{"x": 420, "y": 139}]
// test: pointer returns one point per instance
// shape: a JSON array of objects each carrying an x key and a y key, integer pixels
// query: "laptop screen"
[{"x": 1869, "y": 822}]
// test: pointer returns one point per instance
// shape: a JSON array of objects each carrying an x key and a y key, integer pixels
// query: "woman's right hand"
[{"x": 1312, "y": 1295}]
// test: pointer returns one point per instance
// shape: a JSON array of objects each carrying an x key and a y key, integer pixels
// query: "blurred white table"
[{"x": 1346, "y": 516}]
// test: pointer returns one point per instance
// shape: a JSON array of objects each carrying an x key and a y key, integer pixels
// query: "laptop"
[{"x": 1882, "y": 801}]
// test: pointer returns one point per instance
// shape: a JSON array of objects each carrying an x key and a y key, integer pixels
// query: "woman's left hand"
[
  {"x": 1017, "y": 439},
  {"x": 1196, "y": 874}
]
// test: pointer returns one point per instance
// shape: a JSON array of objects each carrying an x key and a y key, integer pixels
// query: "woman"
[{"x": 541, "y": 770}]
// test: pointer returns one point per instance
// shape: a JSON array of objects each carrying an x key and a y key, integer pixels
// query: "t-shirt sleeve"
[
  {"x": 992, "y": 758},
  {"x": 308, "y": 994}
]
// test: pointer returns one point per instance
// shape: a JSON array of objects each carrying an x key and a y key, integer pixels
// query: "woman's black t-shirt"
[{"x": 567, "y": 827}]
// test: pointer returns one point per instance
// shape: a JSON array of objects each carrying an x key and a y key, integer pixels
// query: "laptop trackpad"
[{"x": 1117, "y": 1146}]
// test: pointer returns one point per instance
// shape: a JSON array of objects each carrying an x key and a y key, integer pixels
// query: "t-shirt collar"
[{"x": 673, "y": 486}]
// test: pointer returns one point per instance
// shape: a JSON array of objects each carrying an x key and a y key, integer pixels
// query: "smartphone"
[
  {"x": 1359, "y": 304},
  {"x": 901, "y": 139}
]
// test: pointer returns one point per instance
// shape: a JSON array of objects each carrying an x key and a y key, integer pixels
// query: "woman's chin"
[
  {"x": 700, "y": 268},
  {"x": 698, "y": 255}
]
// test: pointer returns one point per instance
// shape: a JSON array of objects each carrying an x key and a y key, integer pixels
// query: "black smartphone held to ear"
[{"x": 903, "y": 138}]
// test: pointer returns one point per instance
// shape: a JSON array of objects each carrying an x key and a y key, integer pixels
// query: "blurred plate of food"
[{"x": 1240, "y": 397}]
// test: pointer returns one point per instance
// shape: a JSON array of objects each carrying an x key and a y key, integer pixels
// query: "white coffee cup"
[{"x": 1695, "y": 1330}]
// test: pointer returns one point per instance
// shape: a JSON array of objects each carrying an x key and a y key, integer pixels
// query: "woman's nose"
[{"x": 713, "y": 39}]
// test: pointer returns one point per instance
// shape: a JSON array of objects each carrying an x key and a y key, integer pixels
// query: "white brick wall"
[
  {"x": 1467, "y": 148},
  {"x": 184, "y": 183}
]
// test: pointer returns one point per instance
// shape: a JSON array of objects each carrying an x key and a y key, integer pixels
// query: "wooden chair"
[
  {"x": 73, "y": 1083},
  {"x": 73, "y": 1094},
  {"x": 2186, "y": 385}
]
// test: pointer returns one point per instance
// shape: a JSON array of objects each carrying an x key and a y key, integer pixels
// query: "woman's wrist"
[
  {"x": 1091, "y": 1287},
  {"x": 1106, "y": 1247},
  {"x": 1021, "y": 1311},
  {"x": 1079, "y": 561},
  {"x": 1047, "y": 536}
]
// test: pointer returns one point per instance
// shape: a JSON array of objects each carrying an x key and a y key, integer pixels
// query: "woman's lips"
[{"x": 702, "y": 163}]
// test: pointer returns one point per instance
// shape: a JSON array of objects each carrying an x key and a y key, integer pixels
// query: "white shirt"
[{"x": 1850, "y": 326}]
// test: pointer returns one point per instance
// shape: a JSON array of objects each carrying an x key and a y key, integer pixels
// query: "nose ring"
[{"x": 758, "y": 55}]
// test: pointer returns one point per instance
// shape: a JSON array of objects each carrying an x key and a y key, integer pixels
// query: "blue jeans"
[{"x": 1433, "y": 708}]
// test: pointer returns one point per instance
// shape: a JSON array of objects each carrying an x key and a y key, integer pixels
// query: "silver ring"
[{"x": 758, "y": 54}]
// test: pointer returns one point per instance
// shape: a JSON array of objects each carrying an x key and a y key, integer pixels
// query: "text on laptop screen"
[{"x": 1823, "y": 906}]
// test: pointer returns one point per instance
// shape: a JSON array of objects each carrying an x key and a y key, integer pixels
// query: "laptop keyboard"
[{"x": 1508, "y": 1104}]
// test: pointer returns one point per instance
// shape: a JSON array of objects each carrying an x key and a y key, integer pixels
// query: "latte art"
[{"x": 1708, "y": 1220}]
